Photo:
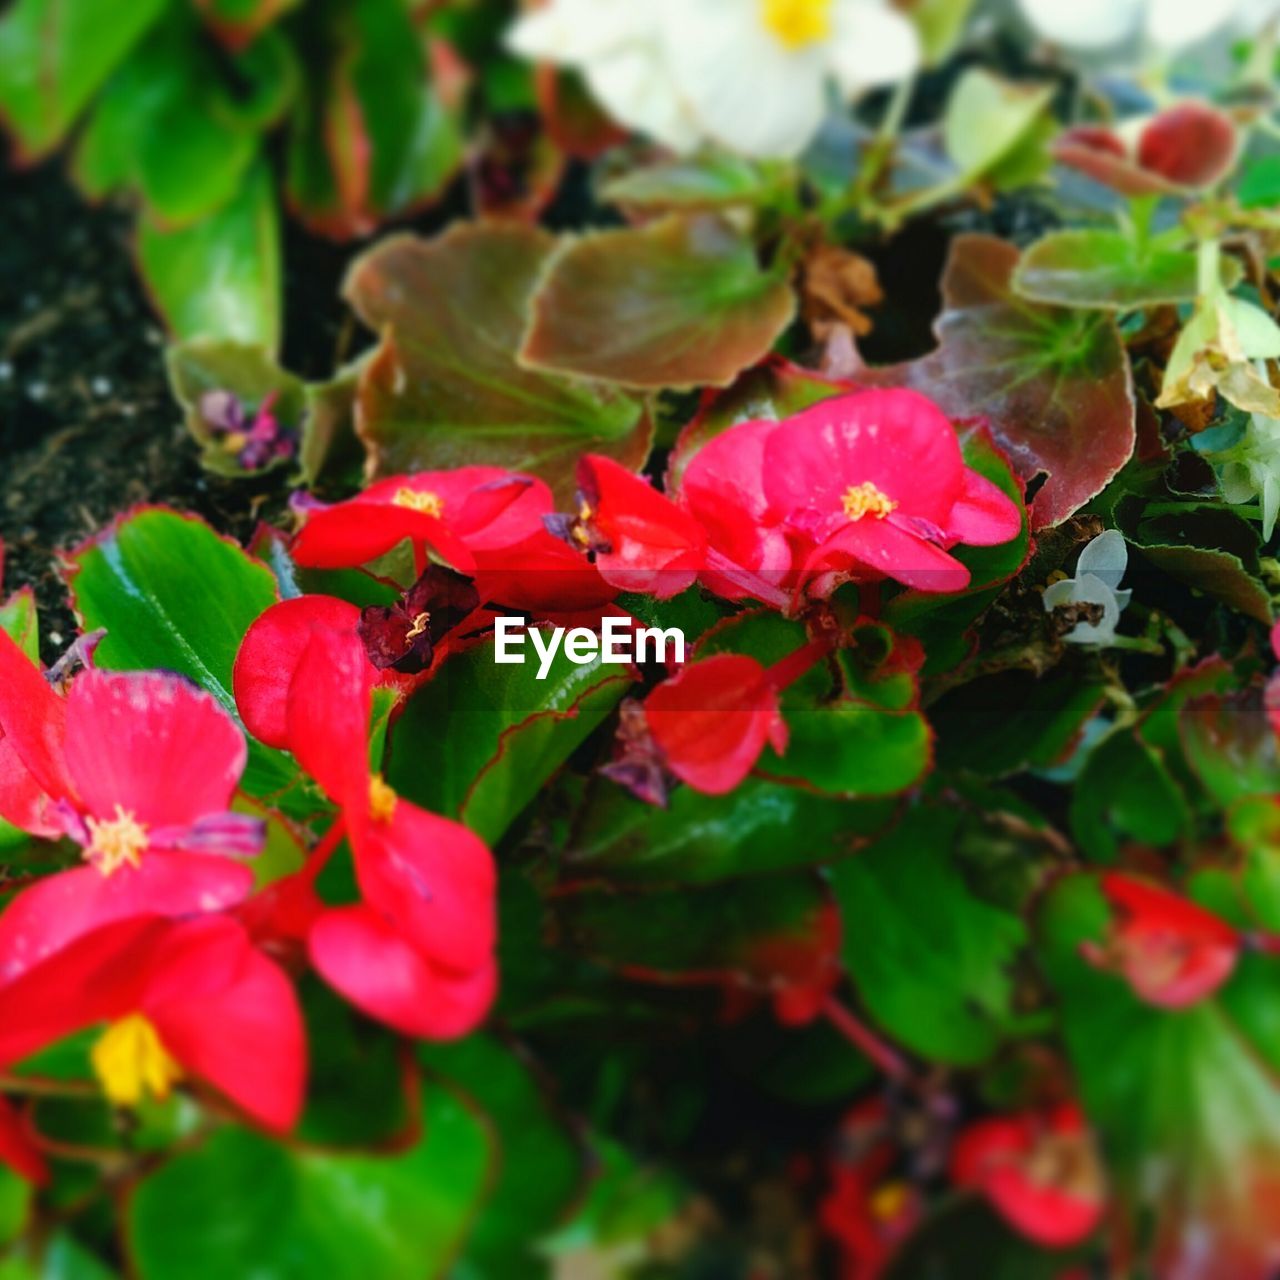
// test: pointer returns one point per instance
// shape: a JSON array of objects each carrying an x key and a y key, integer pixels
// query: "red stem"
[
  {"x": 750, "y": 582},
  {"x": 865, "y": 1040},
  {"x": 789, "y": 669},
  {"x": 324, "y": 848}
]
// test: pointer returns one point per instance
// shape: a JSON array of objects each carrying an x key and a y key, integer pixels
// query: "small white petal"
[
  {"x": 1084, "y": 24},
  {"x": 871, "y": 45},
  {"x": 1106, "y": 558},
  {"x": 1059, "y": 593},
  {"x": 1171, "y": 24}
]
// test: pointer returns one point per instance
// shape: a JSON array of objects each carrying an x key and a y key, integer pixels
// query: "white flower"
[
  {"x": 1252, "y": 469},
  {"x": 1097, "y": 582},
  {"x": 752, "y": 75},
  {"x": 1167, "y": 24}
]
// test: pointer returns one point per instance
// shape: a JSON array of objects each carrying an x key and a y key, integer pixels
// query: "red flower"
[
  {"x": 454, "y": 512},
  {"x": 865, "y": 486},
  {"x": 417, "y": 952},
  {"x": 712, "y": 719},
  {"x": 1038, "y": 1169},
  {"x": 640, "y": 539},
  {"x": 1172, "y": 952},
  {"x": 139, "y": 768},
  {"x": 868, "y": 1211},
  {"x": 179, "y": 998},
  {"x": 1184, "y": 148},
  {"x": 16, "y": 1148}
]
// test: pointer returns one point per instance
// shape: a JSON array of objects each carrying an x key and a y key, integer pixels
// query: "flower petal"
[
  {"x": 370, "y": 963},
  {"x": 873, "y": 45},
  {"x": 269, "y": 656},
  {"x": 55, "y": 911},
  {"x": 153, "y": 744},
  {"x": 888, "y": 551},
  {"x": 983, "y": 515},
  {"x": 33, "y": 719}
]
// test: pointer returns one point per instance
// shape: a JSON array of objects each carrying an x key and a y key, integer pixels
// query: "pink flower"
[
  {"x": 179, "y": 998},
  {"x": 417, "y": 951},
  {"x": 863, "y": 486},
  {"x": 139, "y": 768}
]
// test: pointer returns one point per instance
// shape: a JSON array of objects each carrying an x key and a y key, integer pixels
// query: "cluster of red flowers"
[{"x": 157, "y": 931}]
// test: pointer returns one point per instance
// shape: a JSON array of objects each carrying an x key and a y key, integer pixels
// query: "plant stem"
[
  {"x": 865, "y": 1040},
  {"x": 324, "y": 848}
]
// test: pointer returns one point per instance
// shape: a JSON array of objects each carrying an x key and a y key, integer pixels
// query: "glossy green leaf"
[
  {"x": 173, "y": 594},
  {"x": 932, "y": 961},
  {"x": 1185, "y": 1103},
  {"x": 373, "y": 138},
  {"x": 1231, "y": 746},
  {"x": 681, "y": 302},
  {"x": 1110, "y": 270},
  {"x": 480, "y": 739},
  {"x": 542, "y": 1169},
  {"x": 237, "y": 22},
  {"x": 444, "y": 388},
  {"x": 298, "y": 1214},
  {"x": 20, "y": 622},
  {"x": 1124, "y": 792},
  {"x": 220, "y": 277},
  {"x": 55, "y": 55},
  {"x": 699, "y": 839}
]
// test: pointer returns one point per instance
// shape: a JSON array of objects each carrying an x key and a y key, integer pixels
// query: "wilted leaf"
[
  {"x": 681, "y": 302},
  {"x": 931, "y": 961},
  {"x": 1053, "y": 384},
  {"x": 220, "y": 277},
  {"x": 444, "y": 388}
]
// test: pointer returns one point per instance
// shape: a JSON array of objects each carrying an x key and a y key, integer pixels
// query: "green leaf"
[
  {"x": 174, "y": 86},
  {"x": 681, "y": 302},
  {"x": 1124, "y": 792},
  {"x": 1185, "y": 1102},
  {"x": 444, "y": 388},
  {"x": 247, "y": 371},
  {"x": 1259, "y": 186},
  {"x": 1053, "y": 383},
  {"x": 173, "y": 594},
  {"x": 373, "y": 138},
  {"x": 55, "y": 55},
  {"x": 699, "y": 839},
  {"x": 542, "y": 1169},
  {"x": 931, "y": 961},
  {"x": 714, "y": 181},
  {"x": 986, "y": 118},
  {"x": 220, "y": 277},
  {"x": 758, "y": 934},
  {"x": 1231, "y": 746},
  {"x": 19, "y": 620},
  {"x": 237, "y": 22},
  {"x": 480, "y": 739},
  {"x": 1109, "y": 270},
  {"x": 298, "y": 1215},
  {"x": 1001, "y": 724}
]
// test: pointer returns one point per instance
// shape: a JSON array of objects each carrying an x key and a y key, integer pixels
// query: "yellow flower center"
[
  {"x": 889, "y": 1200},
  {"x": 130, "y": 1061},
  {"x": 115, "y": 841},
  {"x": 382, "y": 800},
  {"x": 420, "y": 624},
  {"x": 797, "y": 23},
  {"x": 430, "y": 504},
  {"x": 866, "y": 500}
]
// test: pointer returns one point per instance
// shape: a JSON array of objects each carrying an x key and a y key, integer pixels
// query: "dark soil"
[{"x": 87, "y": 424}]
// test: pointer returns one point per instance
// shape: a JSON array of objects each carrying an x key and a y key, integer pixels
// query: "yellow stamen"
[
  {"x": 115, "y": 841},
  {"x": 234, "y": 441},
  {"x": 579, "y": 528},
  {"x": 888, "y": 1201},
  {"x": 797, "y": 23},
  {"x": 430, "y": 504},
  {"x": 866, "y": 500},
  {"x": 130, "y": 1061},
  {"x": 420, "y": 624},
  {"x": 382, "y": 800}
]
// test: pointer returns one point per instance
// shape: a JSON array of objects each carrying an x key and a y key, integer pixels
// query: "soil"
[{"x": 87, "y": 424}]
